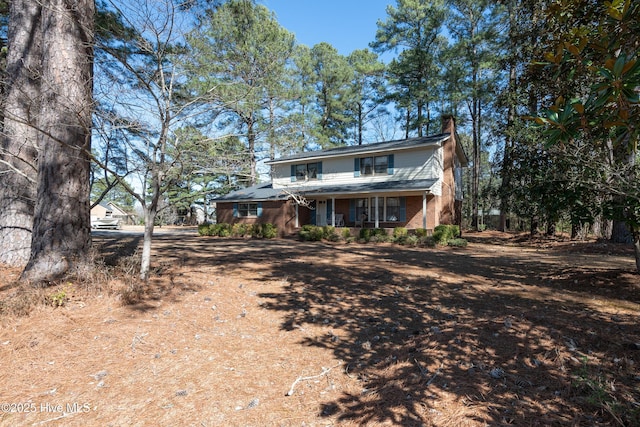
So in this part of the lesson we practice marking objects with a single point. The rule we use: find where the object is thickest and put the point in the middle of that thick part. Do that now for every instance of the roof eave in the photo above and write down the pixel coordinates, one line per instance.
(359, 150)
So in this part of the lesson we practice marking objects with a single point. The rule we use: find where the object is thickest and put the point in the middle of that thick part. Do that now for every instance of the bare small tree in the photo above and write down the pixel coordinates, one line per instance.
(144, 103)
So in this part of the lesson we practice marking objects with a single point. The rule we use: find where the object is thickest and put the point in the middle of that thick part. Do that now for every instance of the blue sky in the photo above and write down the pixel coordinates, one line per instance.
(346, 24)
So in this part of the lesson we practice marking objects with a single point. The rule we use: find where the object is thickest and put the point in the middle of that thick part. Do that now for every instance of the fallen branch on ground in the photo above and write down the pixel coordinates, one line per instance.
(325, 371)
(434, 376)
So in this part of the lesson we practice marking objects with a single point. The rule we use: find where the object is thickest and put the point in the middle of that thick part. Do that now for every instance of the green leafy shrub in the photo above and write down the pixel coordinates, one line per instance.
(380, 238)
(59, 298)
(241, 230)
(328, 232)
(334, 237)
(400, 232)
(427, 241)
(400, 235)
(204, 230)
(269, 231)
(375, 235)
(346, 233)
(256, 231)
(365, 234)
(457, 242)
(411, 240)
(380, 235)
(444, 232)
(421, 232)
(311, 233)
(379, 232)
(223, 230)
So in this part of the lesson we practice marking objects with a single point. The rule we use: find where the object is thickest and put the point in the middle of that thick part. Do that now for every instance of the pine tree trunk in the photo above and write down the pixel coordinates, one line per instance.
(61, 228)
(636, 248)
(19, 140)
(475, 186)
(620, 232)
(251, 137)
(505, 171)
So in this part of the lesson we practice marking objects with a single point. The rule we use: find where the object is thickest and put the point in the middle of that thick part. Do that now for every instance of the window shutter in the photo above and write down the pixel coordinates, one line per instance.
(352, 210)
(390, 170)
(293, 173)
(320, 170)
(259, 209)
(356, 167)
(403, 208)
(329, 210)
(235, 210)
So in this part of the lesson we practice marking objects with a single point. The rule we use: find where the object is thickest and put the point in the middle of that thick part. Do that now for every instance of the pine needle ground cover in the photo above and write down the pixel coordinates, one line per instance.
(248, 332)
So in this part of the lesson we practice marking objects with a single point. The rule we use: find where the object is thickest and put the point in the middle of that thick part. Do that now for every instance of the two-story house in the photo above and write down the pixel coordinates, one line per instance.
(412, 183)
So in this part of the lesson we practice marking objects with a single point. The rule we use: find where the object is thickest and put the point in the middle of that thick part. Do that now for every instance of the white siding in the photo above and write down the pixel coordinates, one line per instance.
(425, 163)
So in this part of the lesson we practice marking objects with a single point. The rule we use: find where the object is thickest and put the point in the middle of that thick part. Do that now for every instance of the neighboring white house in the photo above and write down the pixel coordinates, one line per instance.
(108, 215)
(413, 183)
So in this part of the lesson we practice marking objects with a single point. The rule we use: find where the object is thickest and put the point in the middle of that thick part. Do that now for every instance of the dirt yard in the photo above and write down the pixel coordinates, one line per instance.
(283, 333)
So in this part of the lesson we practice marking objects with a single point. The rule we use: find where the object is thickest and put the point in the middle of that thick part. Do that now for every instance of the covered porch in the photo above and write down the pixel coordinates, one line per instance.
(376, 208)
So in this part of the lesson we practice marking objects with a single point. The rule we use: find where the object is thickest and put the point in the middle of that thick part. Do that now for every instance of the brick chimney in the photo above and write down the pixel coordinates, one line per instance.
(448, 124)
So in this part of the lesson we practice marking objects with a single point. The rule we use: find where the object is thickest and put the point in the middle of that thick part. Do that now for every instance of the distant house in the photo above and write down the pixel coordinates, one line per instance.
(413, 183)
(106, 214)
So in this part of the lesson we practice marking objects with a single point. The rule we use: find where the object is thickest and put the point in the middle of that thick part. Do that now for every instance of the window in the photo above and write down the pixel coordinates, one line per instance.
(390, 209)
(247, 209)
(312, 171)
(393, 209)
(306, 171)
(301, 172)
(366, 165)
(378, 165)
(362, 209)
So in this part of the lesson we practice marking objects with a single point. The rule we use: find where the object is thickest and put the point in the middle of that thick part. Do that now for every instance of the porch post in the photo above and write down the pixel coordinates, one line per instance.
(297, 218)
(333, 211)
(377, 214)
(424, 210)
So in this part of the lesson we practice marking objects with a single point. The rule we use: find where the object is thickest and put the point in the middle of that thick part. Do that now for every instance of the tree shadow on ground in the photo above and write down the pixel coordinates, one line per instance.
(120, 252)
(499, 341)
(441, 336)
(114, 247)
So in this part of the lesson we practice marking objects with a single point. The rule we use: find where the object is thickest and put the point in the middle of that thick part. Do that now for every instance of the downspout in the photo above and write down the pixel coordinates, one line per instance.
(333, 211)
(424, 210)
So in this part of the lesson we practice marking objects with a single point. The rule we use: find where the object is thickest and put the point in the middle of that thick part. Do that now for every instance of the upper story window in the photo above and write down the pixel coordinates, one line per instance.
(380, 165)
(306, 171)
(366, 165)
(374, 165)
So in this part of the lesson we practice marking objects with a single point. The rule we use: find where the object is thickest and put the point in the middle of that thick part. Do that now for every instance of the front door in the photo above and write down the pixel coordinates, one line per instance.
(321, 213)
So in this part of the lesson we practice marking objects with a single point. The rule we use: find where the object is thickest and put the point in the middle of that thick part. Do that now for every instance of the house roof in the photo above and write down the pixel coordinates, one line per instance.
(266, 192)
(259, 192)
(116, 209)
(104, 206)
(376, 147)
(371, 187)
